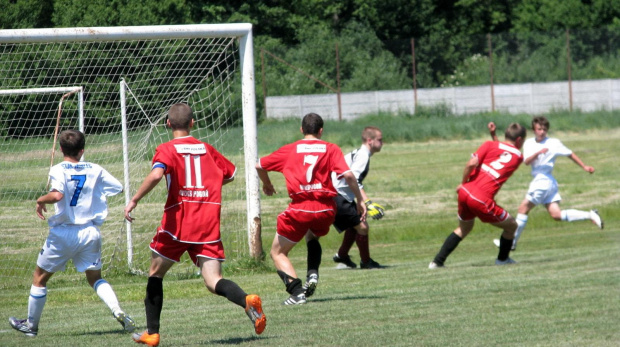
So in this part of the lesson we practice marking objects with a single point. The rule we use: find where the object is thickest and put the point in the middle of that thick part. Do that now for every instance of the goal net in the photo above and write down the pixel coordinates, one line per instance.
(127, 78)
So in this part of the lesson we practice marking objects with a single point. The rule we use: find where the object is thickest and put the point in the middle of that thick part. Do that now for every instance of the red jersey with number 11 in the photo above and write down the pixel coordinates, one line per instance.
(497, 161)
(195, 172)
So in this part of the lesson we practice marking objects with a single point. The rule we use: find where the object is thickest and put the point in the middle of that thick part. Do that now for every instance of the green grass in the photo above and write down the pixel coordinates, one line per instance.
(565, 290)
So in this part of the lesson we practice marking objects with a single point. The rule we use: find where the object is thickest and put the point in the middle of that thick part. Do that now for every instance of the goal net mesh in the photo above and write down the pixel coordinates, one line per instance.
(156, 73)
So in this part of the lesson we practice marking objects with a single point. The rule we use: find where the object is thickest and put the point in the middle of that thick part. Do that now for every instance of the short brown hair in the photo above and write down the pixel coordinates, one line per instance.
(370, 132)
(541, 120)
(72, 142)
(180, 116)
(311, 124)
(514, 131)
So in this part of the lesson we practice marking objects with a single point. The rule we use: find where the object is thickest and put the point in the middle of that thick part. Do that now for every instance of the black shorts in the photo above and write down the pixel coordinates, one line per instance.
(346, 215)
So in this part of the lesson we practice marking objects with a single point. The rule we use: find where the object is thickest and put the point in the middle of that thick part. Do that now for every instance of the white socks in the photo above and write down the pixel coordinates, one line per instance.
(521, 223)
(573, 215)
(107, 295)
(36, 302)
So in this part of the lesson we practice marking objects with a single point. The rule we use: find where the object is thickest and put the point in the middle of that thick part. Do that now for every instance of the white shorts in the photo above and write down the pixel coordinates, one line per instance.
(543, 191)
(80, 243)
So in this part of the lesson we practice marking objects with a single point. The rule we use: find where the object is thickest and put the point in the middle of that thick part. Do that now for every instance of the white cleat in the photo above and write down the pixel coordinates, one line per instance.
(508, 261)
(596, 219)
(128, 324)
(434, 265)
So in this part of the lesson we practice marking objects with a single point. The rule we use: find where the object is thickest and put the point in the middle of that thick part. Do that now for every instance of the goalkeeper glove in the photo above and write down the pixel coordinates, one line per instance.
(375, 211)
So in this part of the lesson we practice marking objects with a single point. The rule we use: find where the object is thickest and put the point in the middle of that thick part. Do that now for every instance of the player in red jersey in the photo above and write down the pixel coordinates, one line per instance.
(307, 166)
(195, 173)
(485, 173)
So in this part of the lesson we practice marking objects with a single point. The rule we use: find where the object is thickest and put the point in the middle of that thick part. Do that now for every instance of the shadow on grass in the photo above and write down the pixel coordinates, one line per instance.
(233, 340)
(353, 297)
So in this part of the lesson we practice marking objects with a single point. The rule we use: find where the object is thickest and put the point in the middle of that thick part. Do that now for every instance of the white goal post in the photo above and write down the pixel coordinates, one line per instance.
(209, 66)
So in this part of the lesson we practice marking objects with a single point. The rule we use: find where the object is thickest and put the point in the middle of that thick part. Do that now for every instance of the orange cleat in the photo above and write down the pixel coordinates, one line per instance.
(254, 310)
(146, 339)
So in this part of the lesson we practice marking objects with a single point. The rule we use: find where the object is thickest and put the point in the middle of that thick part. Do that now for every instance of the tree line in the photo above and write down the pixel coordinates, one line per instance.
(374, 37)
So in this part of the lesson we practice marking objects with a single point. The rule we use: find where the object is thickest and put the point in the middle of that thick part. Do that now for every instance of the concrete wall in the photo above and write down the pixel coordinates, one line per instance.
(532, 98)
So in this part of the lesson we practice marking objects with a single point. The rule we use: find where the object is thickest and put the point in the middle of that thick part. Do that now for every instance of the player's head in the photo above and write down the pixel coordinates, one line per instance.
(180, 116)
(373, 138)
(516, 133)
(71, 143)
(312, 124)
(540, 120)
(540, 125)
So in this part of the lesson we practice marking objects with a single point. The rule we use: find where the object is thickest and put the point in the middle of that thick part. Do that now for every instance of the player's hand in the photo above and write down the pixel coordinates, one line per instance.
(375, 211)
(491, 127)
(269, 190)
(40, 209)
(589, 169)
(130, 206)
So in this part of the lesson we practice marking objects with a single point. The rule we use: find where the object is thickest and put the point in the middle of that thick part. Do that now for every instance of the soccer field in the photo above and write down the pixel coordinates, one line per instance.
(565, 290)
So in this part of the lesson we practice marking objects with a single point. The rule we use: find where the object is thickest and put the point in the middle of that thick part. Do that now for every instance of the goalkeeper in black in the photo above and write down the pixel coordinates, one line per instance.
(347, 217)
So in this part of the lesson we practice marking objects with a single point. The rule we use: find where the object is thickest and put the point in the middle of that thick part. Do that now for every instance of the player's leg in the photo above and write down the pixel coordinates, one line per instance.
(53, 257)
(571, 215)
(211, 270)
(346, 219)
(87, 259)
(451, 242)
(315, 252)
(361, 240)
(280, 248)
(509, 227)
(521, 219)
(36, 303)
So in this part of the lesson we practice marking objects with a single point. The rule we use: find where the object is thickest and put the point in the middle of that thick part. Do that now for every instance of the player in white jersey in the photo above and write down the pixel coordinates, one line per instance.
(78, 191)
(347, 219)
(541, 152)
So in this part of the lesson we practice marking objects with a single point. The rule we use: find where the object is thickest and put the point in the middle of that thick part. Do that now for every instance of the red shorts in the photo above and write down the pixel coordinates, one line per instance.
(299, 218)
(485, 209)
(166, 246)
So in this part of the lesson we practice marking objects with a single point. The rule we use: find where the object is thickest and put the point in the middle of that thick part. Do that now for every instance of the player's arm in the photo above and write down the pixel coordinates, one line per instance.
(492, 129)
(533, 157)
(578, 161)
(349, 177)
(263, 174)
(471, 165)
(150, 182)
(50, 198)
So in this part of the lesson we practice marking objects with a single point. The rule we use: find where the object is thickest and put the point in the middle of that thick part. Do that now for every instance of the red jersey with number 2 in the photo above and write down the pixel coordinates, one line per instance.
(307, 166)
(497, 161)
(195, 172)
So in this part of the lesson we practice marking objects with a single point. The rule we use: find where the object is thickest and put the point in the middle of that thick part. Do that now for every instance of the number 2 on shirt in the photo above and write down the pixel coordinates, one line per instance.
(81, 179)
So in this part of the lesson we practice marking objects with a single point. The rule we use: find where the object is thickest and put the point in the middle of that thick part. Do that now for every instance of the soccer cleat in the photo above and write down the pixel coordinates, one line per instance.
(508, 261)
(370, 264)
(513, 248)
(311, 282)
(128, 324)
(596, 219)
(346, 261)
(146, 339)
(22, 326)
(254, 310)
(295, 299)
(434, 265)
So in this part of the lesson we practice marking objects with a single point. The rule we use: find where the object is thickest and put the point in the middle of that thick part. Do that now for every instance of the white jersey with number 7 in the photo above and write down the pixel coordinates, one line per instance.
(85, 187)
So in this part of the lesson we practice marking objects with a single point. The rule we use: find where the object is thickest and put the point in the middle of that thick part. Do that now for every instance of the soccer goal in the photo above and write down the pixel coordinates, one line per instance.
(127, 79)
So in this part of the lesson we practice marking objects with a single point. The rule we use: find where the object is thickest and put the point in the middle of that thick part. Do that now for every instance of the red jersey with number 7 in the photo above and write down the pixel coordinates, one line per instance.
(307, 166)
(497, 161)
(194, 173)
